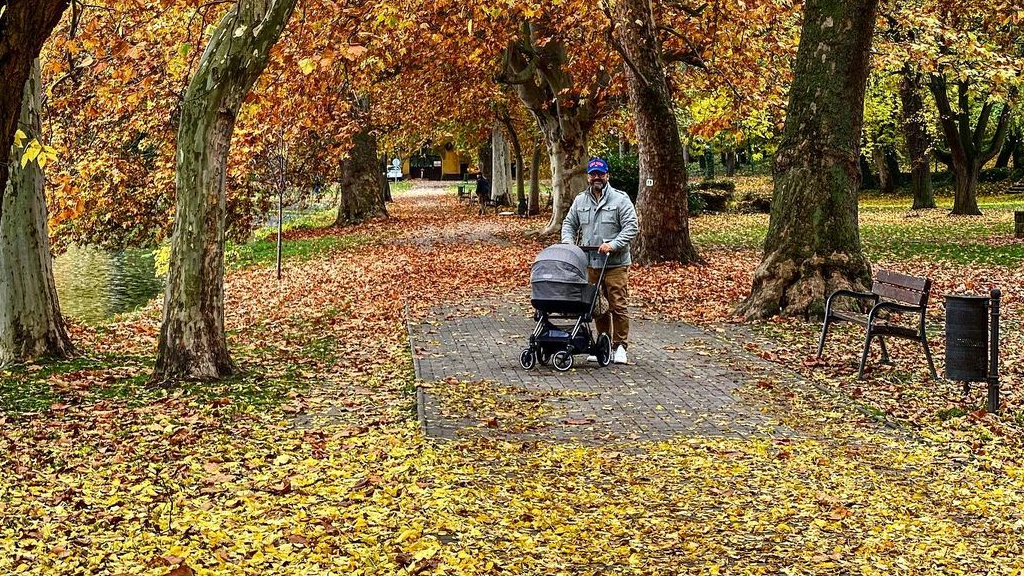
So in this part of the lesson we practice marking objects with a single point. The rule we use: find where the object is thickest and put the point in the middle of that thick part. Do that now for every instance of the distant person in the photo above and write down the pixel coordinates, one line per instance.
(483, 191)
(605, 217)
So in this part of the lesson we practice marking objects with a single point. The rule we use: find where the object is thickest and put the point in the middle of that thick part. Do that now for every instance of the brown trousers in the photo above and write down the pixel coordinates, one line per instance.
(616, 288)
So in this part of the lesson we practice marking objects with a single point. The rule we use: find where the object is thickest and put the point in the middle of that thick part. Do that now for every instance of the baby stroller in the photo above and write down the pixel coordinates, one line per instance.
(560, 290)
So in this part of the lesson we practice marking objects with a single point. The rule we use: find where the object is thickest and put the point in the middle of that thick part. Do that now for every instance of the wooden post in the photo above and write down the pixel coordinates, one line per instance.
(1018, 224)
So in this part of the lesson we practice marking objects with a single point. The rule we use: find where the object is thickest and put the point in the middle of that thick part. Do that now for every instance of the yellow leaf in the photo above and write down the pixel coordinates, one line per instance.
(19, 136)
(306, 65)
(31, 153)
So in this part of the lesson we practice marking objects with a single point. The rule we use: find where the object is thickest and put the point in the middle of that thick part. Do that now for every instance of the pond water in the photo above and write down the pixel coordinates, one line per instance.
(94, 284)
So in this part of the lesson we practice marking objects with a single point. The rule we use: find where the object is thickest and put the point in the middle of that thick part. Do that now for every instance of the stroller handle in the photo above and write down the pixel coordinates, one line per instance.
(595, 249)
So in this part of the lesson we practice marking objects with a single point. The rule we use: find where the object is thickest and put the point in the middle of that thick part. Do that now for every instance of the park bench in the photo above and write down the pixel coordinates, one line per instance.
(892, 295)
(464, 192)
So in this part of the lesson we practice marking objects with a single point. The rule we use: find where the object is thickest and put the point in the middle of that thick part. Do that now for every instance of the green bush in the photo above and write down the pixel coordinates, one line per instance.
(624, 173)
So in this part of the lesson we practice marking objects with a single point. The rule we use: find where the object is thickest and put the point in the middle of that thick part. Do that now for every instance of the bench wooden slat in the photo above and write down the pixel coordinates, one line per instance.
(894, 330)
(861, 319)
(899, 294)
(895, 278)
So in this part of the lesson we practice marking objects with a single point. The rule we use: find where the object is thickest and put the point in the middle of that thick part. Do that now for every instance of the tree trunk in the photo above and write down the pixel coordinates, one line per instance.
(31, 325)
(967, 150)
(537, 67)
(813, 243)
(730, 162)
(517, 152)
(501, 168)
(867, 177)
(662, 209)
(623, 146)
(916, 136)
(1009, 149)
(486, 157)
(360, 184)
(192, 340)
(886, 178)
(24, 26)
(385, 183)
(535, 179)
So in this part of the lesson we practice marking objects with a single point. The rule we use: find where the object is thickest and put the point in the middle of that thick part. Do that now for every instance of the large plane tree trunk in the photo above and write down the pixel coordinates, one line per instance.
(501, 167)
(664, 233)
(916, 136)
(968, 151)
(31, 325)
(360, 191)
(24, 26)
(813, 243)
(537, 67)
(192, 340)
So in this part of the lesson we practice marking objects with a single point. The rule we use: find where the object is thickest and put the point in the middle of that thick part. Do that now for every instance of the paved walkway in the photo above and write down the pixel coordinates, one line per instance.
(681, 379)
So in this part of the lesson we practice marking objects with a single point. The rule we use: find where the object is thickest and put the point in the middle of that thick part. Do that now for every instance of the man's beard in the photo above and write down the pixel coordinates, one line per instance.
(597, 186)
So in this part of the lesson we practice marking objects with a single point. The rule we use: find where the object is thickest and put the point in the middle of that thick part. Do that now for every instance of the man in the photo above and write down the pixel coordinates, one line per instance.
(605, 217)
(483, 191)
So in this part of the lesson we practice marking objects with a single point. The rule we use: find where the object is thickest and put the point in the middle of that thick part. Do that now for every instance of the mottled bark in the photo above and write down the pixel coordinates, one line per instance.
(360, 186)
(662, 209)
(25, 25)
(192, 340)
(537, 67)
(968, 151)
(916, 136)
(501, 167)
(813, 242)
(31, 325)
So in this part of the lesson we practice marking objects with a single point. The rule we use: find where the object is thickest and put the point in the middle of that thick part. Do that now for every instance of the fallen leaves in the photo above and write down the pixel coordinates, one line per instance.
(228, 482)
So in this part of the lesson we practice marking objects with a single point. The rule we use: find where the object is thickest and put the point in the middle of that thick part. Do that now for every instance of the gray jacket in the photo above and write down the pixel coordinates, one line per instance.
(593, 223)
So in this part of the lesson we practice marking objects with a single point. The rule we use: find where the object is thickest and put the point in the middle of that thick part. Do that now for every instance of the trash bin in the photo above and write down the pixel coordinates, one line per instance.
(967, 337)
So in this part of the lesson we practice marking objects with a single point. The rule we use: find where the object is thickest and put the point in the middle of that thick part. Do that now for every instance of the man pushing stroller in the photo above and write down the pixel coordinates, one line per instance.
(603, 216)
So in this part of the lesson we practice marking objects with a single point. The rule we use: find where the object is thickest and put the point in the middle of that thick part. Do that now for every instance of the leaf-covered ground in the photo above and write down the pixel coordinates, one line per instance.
(311, 461)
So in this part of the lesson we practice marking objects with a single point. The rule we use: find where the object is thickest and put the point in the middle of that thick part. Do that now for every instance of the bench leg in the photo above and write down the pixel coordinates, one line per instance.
(885, 353)
(928, 355)
(864, 356)
(824, 333)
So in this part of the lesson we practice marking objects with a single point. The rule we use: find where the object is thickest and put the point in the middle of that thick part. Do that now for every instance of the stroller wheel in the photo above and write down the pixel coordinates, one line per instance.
(603, 350)
(562, 361)
(527, 359)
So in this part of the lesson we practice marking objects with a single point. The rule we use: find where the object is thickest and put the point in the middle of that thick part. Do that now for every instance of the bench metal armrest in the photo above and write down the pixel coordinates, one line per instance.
(850, 294)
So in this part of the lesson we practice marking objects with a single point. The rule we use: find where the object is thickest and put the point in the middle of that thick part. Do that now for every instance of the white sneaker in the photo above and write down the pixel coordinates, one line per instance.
(619, 356)
(591, 358)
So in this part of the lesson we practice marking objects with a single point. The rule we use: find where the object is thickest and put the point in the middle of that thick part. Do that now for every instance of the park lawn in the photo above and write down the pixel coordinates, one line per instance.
(311, 460)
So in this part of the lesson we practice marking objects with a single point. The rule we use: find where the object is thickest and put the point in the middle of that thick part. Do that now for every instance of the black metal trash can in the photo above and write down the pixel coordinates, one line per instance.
(967, 338)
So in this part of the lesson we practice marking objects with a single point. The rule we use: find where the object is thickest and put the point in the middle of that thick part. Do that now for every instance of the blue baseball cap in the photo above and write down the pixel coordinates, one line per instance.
(597, 165)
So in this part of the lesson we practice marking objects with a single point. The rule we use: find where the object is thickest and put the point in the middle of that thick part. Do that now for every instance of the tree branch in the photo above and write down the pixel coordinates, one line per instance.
(997, 141)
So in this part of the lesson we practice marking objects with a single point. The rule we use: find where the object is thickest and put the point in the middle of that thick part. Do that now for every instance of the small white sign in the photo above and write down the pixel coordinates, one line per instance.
(650, 182)
(396, 162)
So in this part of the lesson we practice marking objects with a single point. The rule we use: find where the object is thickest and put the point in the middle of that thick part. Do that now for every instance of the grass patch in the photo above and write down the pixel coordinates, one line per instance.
(890, 231)
(311, 221)
(264, 252)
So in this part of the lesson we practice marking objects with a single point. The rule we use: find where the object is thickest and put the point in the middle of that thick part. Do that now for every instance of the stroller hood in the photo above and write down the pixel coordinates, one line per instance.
(560, 263)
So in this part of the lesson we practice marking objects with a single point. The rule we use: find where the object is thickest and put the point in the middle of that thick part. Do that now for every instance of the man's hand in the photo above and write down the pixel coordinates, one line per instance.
(605, 248)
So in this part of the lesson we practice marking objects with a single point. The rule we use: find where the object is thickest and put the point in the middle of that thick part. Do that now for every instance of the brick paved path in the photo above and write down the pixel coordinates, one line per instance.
(681, 380)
